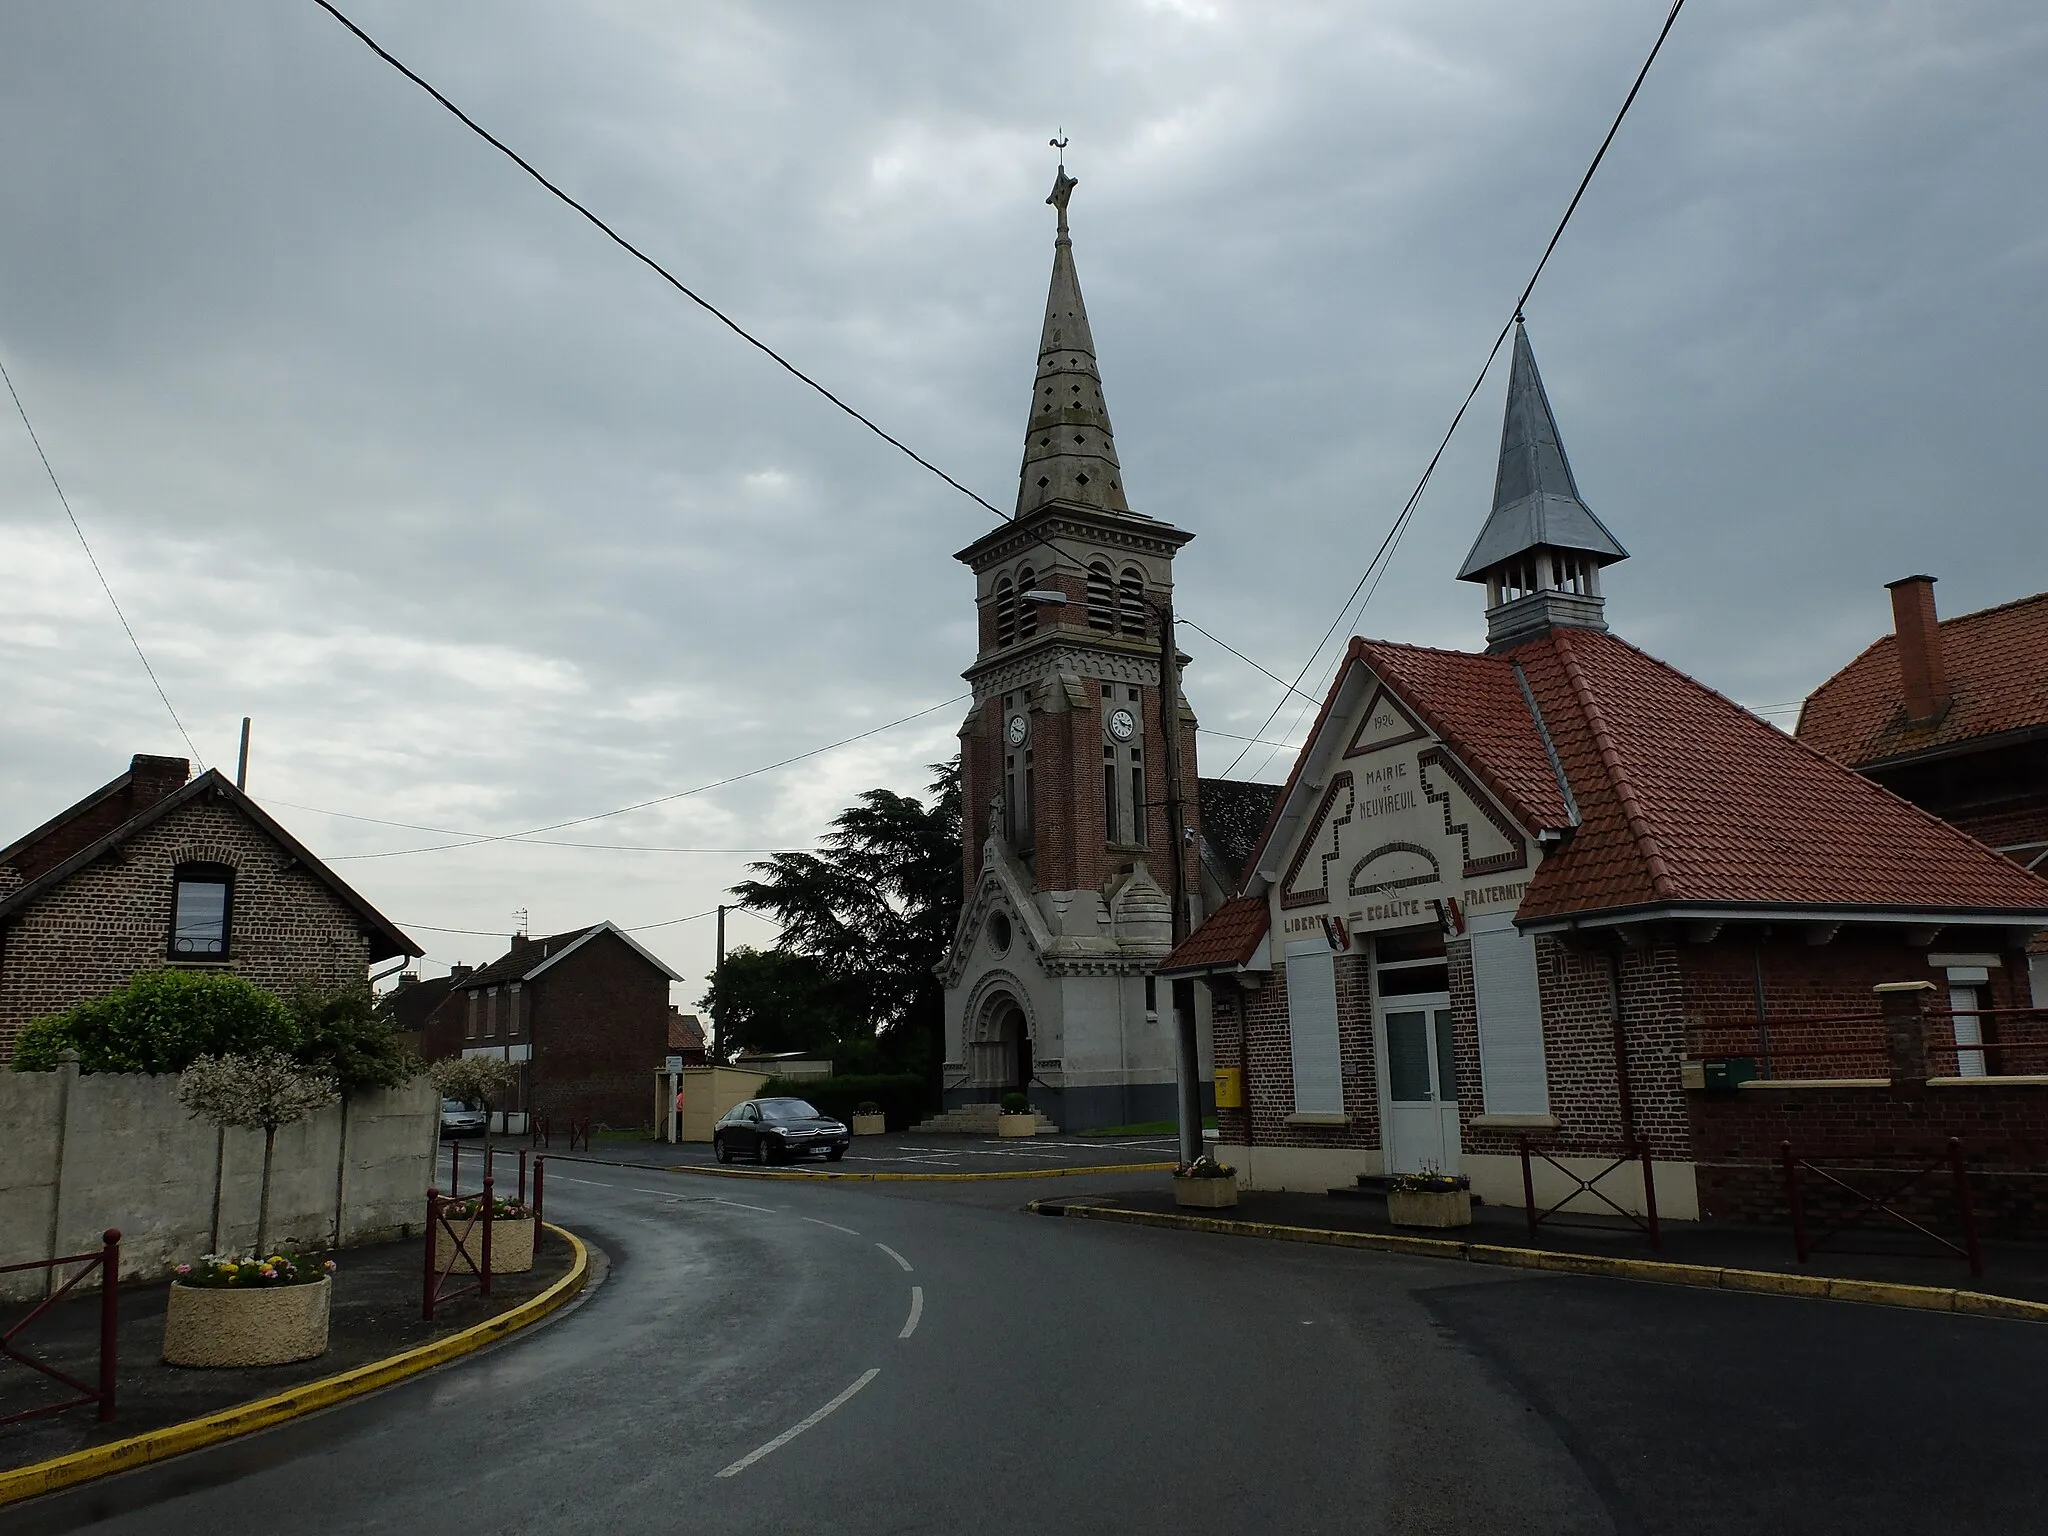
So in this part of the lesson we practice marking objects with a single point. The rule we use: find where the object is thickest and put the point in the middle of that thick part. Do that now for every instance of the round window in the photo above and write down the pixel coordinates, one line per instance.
(999, 933)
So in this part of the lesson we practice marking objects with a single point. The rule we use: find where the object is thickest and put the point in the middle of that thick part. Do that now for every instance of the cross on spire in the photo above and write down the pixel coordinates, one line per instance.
(1062, 185)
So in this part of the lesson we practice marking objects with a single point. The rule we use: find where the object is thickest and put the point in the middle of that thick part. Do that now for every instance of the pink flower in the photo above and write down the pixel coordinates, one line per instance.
(184, 1269)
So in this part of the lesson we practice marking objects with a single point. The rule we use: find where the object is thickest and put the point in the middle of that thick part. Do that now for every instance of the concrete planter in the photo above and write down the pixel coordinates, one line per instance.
(246, 1325)
(1429, 1208)
(511, 1245)
(870, 1125)
(1205, 1194)
(1025, 1124)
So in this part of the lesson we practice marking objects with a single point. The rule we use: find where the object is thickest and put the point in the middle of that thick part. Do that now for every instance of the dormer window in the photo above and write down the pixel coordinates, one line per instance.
(202, 904)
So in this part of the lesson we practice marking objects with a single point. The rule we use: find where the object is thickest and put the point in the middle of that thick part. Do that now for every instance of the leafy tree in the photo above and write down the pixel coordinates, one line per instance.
(778, 1000)
(480, 1080)
(162, 1021)
(264, 1091)
(875, 909)
(345, 1036)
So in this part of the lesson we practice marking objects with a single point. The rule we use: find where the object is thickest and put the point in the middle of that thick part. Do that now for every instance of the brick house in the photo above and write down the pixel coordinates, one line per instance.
(584, 1015)
(1520, 893)
(1951, 714)
(159, 869)
(686, 1038)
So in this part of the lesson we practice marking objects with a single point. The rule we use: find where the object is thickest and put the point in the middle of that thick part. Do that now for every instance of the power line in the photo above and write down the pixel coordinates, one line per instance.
(646, 260)
(668, 922)
(1384, 554)
(471, 840)
(1059, 556)
(93, 560)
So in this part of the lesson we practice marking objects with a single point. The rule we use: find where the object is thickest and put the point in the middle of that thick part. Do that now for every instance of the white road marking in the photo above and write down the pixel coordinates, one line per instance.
(768, 1210)
(832, 1224)
(895, 1255)
(794, 1430)
(916, 1311)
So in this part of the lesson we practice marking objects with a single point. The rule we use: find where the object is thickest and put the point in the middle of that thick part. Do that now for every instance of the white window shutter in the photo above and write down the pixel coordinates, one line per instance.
(1312, 1022)
(1511, 1069)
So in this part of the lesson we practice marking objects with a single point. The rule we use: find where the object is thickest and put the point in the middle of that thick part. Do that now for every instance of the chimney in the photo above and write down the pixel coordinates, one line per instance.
(1923, 680)
(151, 778)
(458, 970)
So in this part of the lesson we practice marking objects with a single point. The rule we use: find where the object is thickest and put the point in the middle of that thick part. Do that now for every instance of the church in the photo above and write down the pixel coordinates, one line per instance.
(1527, 896)
(1069, 756)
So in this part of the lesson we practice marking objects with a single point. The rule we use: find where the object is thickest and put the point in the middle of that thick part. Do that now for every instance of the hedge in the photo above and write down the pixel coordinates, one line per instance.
(162, 1021)
(904, 1096)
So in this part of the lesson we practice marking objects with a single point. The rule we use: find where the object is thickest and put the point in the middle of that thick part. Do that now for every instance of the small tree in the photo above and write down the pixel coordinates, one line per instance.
(475, 1080)
(266, 1090)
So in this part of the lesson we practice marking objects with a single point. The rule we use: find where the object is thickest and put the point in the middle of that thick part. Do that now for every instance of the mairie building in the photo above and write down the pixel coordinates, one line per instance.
(1517, 896)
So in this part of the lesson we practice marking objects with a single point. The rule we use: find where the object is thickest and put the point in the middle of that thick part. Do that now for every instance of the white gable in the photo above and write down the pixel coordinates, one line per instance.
(1386, 828)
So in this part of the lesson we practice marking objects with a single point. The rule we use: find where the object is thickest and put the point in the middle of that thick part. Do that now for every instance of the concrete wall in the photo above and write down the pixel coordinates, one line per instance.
(84, 1153)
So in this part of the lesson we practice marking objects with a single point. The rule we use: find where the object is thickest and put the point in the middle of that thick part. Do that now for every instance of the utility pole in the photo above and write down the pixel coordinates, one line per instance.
(1183, 990)
(242, 762)
(721, 938)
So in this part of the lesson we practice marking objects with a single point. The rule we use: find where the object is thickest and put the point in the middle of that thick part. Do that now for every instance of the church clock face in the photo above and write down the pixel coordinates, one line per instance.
(1017, 730)
(1123, 725)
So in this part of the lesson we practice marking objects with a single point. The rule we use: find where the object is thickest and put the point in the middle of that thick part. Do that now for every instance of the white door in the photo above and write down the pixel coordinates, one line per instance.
(1421, 1098)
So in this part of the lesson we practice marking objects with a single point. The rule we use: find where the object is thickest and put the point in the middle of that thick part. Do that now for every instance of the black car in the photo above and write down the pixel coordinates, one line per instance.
(775, 1130)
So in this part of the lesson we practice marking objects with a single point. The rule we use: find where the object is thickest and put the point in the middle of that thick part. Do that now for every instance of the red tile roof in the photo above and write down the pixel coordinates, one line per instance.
(1687, 797)
(1226, 937)
(1997, 666)
(1684, 797)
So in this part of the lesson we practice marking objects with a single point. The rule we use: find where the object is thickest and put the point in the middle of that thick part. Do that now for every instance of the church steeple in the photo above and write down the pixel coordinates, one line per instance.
(1069, 451)
(1542, 548)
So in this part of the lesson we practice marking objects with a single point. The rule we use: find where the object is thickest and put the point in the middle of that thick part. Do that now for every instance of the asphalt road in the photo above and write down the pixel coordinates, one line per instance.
(953, 1365)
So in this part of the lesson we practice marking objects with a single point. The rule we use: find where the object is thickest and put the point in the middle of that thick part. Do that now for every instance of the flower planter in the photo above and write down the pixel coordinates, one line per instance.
(246, 1325)
(1025, 1124)
(1205, 1194)
(511, 1245)
(870, 1125)
(1429, 1208)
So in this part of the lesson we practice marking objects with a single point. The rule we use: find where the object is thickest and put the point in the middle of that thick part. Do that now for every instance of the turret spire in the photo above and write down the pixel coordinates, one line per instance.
(1069, 451)
(1542, 548)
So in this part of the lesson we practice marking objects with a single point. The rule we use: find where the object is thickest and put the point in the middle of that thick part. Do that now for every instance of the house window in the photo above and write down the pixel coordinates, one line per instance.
(1312, 1028)
(202, 902)
(469, 1025)
(490, 1011)
(512, 996)
(1511, 1069)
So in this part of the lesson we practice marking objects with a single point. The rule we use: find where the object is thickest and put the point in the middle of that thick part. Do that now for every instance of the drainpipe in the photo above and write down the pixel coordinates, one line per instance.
(1626, 1094)
(1763, 1023)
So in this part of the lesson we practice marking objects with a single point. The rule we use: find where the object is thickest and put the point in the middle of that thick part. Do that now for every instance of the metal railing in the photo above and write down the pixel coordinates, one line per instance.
(439, 1283)
(108, 1263)
(1764, 1042)
(1637, 1156)
(1903, 1178)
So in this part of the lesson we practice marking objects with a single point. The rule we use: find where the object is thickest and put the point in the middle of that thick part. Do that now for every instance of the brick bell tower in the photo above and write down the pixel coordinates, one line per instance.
(1049, 986)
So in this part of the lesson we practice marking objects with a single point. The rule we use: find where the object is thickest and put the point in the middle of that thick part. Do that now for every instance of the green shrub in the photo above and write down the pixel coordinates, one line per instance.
(1016, 1104)
(162, 1021)
(343, 1035)
(903, 1097)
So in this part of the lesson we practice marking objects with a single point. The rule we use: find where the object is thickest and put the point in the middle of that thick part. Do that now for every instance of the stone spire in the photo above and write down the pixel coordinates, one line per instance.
(1069, 452)
(1536, 501)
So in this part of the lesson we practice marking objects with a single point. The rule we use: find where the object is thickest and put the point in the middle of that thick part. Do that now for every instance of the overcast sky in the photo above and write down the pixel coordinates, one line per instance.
(488, 529)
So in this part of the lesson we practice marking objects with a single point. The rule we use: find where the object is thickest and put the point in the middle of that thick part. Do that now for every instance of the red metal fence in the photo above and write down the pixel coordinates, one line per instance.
(1896, 1177)
(1635, 1158)
(108, 1263)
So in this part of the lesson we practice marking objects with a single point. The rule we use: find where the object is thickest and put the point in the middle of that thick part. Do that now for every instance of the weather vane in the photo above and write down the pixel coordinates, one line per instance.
(1062, 184)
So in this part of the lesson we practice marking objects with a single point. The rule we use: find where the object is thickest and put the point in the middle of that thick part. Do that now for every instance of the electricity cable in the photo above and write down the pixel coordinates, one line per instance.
(93, 561)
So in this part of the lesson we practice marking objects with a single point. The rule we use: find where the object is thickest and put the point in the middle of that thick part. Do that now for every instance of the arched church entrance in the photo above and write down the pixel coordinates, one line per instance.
(1002, 1057)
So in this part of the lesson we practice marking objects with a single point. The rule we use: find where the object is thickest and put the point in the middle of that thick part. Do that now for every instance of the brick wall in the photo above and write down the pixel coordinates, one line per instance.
(1869, 1136)
(1269, 1085)
(94, 932)
(1818, 1000)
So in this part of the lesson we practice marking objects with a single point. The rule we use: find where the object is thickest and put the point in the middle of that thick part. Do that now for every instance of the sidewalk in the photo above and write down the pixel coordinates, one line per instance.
(896, 1153)
(2010, 1269)
(375, 1313)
